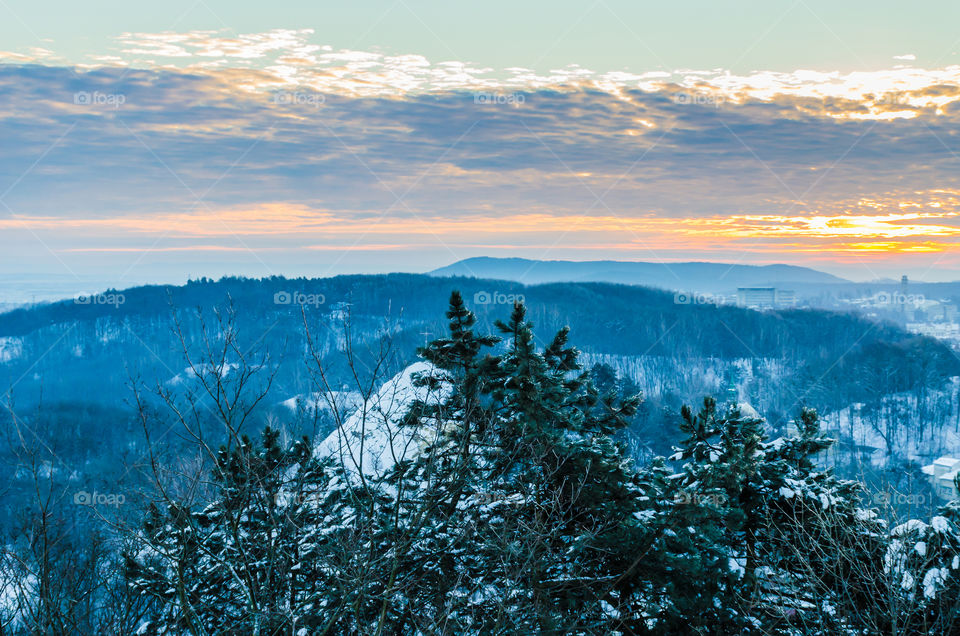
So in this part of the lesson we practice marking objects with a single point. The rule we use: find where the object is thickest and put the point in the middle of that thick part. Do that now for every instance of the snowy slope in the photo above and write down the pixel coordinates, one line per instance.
(910, 428)
(371, 440)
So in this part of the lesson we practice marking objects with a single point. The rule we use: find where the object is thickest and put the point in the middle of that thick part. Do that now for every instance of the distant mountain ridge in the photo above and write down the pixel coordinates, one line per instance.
(689, 276)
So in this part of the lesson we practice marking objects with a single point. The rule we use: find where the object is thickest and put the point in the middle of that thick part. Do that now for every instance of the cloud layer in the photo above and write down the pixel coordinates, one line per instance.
(270, 146)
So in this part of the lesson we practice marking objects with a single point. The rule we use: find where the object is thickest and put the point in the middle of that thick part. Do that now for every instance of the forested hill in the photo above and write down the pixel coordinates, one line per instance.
(91, 349)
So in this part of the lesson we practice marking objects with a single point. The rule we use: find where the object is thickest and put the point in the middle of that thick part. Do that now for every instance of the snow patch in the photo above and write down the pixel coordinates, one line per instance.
(932, 580)
(10, 349)
(940, 524)
(203, 369)
(371, 441)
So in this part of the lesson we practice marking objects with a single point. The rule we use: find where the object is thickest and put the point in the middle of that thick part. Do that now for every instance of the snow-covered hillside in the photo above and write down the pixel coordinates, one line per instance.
(902, 426)
(371, 440)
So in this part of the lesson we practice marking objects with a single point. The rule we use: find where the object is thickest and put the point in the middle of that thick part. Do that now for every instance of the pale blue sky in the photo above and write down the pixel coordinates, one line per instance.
(603, 35)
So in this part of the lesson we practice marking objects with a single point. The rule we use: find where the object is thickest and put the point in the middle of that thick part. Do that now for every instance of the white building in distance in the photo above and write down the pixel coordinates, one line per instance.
(942, 475)
(765, 297)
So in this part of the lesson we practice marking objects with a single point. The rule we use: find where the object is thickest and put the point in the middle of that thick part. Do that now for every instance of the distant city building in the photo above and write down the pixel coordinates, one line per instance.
(942, 475)
(765, 297)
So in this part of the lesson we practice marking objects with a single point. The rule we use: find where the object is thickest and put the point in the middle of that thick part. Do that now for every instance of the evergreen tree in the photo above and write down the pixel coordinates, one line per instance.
(253, 560)
(530, 502)
(761, 502)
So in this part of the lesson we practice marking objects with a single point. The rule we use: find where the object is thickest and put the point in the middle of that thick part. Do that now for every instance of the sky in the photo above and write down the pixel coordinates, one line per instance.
(184, 139)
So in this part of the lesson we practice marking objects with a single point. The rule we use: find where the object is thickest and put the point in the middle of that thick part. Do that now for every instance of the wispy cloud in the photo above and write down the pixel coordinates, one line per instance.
(198, 141)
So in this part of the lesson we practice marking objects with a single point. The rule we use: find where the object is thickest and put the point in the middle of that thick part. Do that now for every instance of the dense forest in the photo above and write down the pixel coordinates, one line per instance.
(71, 370)
(829, 358)
(485, 489)
(82, 356)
